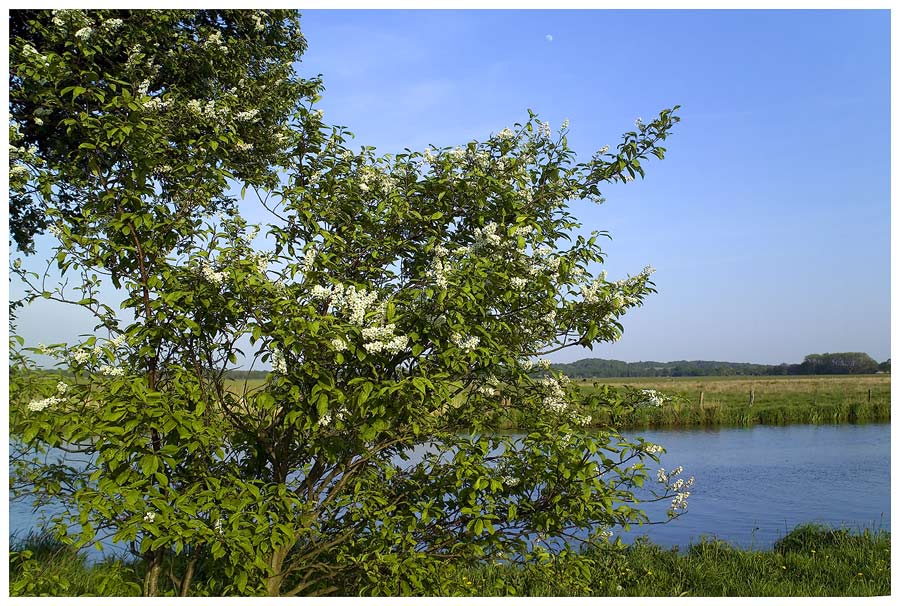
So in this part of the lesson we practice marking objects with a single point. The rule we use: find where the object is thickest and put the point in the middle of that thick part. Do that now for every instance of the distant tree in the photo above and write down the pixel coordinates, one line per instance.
(838, 364)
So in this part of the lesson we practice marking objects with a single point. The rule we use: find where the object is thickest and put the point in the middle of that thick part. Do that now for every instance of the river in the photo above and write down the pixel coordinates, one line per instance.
(751, 485)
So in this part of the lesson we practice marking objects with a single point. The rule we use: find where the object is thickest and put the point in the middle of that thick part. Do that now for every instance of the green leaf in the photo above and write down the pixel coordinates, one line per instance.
(149, 464)
(364, 392)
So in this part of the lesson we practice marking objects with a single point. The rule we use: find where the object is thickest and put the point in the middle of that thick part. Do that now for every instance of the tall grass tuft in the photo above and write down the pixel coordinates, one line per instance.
(40, 565)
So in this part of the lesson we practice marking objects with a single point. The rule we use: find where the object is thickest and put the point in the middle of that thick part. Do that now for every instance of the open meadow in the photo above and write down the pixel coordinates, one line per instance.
(726, 401)
(744, 401)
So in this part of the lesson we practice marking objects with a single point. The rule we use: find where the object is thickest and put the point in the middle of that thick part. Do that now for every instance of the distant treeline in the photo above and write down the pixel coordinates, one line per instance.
(246, 375)
(852, 363)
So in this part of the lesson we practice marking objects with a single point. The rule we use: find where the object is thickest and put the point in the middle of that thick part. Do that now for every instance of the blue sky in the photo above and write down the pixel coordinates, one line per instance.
(769, 220)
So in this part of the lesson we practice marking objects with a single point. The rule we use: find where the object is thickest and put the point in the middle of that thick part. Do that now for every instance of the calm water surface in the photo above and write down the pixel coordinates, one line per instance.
(751, 485)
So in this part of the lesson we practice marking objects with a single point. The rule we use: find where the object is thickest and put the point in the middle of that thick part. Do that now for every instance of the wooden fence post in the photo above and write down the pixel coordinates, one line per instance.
(701, 399)
(752, 397)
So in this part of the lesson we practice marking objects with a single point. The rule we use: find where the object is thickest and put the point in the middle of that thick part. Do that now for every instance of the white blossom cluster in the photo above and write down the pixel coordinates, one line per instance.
(84, 33)
(490, 387)
(218, 526)
(134, 57)
(39, 405)
(487, 236)
(544, 129)
(486, 390)
(84, 356)
(543, 364)
(63, 16)
(20, 169)
(582, 420)
(465, 343)
(510, 480)
(356, 303)
(590, 293)
(112, 371)
(554, 398)
(326, 419)
(505, 134)
(518, 283)
(679, 486)
(654, 398)
(74, 19)
(156, 104)
(258, 20)
(29, 52)
(81, 356)
(62, 388)
(150, 517)
(382, 338)
(209, 110)
(279, 363)
(309, 259)
(215, 277)
(439, 267)
(680, 500)
(215, 39)
(246, 116)
(542, 261)
(353, 301)
(653, 449)
(262, 262)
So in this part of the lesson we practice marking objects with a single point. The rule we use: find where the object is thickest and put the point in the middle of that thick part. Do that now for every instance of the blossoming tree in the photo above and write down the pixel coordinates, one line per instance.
(402, 305)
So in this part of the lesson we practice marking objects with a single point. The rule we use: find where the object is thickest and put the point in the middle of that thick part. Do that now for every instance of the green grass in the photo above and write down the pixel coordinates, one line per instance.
(776, 400)
(810, 561)
(40, 565)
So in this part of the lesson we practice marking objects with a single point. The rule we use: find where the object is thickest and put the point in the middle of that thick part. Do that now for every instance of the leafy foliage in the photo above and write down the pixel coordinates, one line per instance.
(146, 102)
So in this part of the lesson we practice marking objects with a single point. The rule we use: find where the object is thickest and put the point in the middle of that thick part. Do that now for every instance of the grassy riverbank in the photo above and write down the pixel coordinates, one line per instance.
(726, 401)
(810, 561)
(712, 401)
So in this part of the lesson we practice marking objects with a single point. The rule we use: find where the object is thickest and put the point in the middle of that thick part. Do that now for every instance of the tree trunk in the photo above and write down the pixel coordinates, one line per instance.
(151, 577)
(273, 583)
